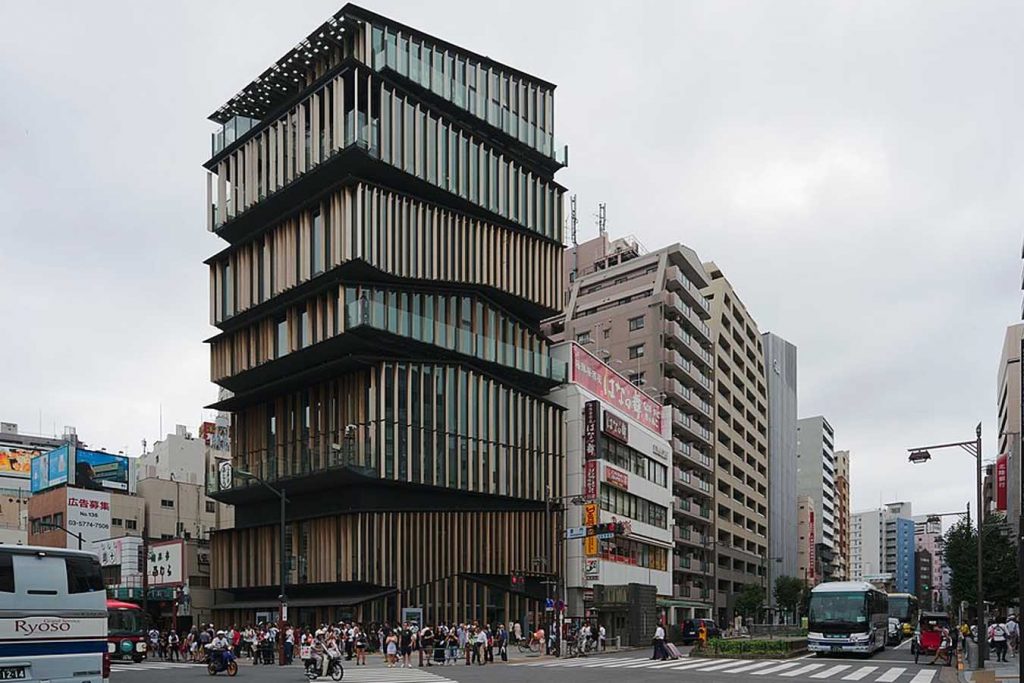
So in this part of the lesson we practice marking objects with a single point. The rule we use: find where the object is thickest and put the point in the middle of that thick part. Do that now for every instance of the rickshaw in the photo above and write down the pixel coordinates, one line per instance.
(928, 638)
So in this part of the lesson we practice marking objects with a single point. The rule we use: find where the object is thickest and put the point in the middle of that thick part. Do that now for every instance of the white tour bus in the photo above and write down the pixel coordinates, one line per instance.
(53, 616)
(847, 616)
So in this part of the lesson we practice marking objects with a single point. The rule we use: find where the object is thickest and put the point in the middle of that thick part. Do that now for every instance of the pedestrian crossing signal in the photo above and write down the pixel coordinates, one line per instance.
(518, 581)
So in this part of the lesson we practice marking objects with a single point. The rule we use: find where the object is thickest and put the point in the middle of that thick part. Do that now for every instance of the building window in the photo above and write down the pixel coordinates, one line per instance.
(166, 537)
(165, 503)
(281, 338)
(211, 506)
(636, 351)
(606, 332)
(636, 323)
(637, 378)
(130, 524)
(583, 337)
(116, 521)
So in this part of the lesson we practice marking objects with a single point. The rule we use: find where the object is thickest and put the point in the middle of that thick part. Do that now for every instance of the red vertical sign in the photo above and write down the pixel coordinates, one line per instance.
(590, 480)
(1001, 482)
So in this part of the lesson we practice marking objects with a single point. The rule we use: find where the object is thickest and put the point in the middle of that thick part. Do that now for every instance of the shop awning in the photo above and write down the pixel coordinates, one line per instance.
(325, 601)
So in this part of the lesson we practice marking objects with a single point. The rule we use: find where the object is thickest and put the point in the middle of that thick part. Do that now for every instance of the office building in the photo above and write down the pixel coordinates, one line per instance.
(619, 462)
(645, 314)
(741, 447)
(173, 476)
(807, 563)
(393, 239)
(1008, 401)
(842, 527)
(882, 547)
(780, 379)
(816, 479)
(928, 538)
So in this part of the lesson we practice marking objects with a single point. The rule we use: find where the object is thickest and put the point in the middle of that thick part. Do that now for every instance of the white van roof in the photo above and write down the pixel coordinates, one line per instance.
(844, 586)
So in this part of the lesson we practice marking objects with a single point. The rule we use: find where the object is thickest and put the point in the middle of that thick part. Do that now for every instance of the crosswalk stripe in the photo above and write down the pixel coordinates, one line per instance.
(715, 667)
(862, 672)
(700, 663)
(615, 661)
(774, 669)
(923, 676)
(831, 671)
(802, 670)
(750, 667)
(891, 675)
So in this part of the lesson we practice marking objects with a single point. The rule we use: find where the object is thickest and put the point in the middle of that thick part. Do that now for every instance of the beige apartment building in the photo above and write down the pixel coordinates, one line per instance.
(645, 314)
(842, 531)
(806, 561)
(741, 446)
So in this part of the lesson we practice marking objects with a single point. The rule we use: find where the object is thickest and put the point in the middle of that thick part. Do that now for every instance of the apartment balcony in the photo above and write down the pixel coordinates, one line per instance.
(692, 454)
(690, 509)
(690, 482)
(693, 377)
(687, 535)
(690, 428)
(699, 327)
(675, 281)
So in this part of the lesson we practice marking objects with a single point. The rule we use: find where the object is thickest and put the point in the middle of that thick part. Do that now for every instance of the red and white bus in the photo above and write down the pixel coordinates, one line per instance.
(126, 631)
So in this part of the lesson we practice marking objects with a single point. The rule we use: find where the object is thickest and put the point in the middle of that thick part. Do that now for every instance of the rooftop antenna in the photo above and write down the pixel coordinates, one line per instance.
(602, 219)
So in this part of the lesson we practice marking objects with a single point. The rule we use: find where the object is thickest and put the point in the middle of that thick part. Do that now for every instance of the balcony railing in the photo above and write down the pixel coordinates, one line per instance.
(392, 319)
(427, 75)
(301, 458)
(674, 279)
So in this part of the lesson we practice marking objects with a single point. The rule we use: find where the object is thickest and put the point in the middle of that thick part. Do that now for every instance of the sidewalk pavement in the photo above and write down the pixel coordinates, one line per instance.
(994, 671)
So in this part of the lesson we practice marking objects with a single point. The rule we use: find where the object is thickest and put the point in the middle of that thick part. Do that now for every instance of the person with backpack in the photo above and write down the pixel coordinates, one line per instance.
(997, 636)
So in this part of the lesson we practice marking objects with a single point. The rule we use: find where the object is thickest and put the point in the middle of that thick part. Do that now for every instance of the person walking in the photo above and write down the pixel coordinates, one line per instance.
(480, 645)
(174, 646)
(602, 637)
(1013, 634)
(660, 653)
(517, 632)
(997, 635)
(702, 637)
(391, 650)
(502, 641)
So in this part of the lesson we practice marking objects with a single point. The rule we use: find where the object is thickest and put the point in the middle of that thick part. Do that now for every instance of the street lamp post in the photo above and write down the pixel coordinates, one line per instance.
(555, 504)
(766, 583)
(920, 455)
(69, 533)
(282, 598)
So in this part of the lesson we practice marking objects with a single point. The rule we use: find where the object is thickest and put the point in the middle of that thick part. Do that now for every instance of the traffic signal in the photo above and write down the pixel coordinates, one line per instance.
(617, 528)
(518, 581)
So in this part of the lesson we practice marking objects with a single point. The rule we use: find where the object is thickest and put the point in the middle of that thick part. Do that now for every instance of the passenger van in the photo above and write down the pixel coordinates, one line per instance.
(53, 616)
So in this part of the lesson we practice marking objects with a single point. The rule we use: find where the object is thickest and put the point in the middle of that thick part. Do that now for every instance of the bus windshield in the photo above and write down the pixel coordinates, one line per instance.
(838, 608)
(125, 622)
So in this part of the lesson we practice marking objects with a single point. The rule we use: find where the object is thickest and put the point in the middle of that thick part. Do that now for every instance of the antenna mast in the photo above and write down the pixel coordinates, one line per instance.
(602, 219)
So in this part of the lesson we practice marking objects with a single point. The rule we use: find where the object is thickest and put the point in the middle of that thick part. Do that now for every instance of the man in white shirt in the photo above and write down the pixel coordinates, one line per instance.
(659, 644)
(601, 636)
(1013, 631)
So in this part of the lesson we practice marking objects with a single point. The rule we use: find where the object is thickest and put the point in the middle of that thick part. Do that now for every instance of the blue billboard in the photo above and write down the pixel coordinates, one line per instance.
(98, 470)
(50, 469)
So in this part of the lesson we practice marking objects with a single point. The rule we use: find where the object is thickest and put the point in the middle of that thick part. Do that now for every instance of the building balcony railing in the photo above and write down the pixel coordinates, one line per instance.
(697, 324)
(684, 422)
(676, 281)
(447, 86)
(374, 314)
(230, 131)
(298, 459)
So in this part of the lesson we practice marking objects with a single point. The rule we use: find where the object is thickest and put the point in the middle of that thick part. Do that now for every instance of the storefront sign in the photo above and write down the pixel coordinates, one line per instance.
(616, 478)
(166, 563)
(590, 480)
(661, 453)
(616, 427)
(1001, 482)
(600, 380)
(590, 409)
(590, 545)
(590, 514)
(591, 569)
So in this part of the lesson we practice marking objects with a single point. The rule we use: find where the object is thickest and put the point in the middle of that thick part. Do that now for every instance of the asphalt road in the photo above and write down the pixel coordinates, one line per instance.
(890, 666)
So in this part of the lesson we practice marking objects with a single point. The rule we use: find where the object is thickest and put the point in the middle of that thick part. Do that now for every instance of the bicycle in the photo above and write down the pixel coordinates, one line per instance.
(531, 645)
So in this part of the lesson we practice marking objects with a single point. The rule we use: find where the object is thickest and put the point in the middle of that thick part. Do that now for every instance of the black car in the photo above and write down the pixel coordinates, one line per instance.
(691, 626)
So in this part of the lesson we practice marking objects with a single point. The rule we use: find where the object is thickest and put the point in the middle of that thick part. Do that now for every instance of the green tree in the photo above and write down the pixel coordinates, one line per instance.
(999, 562)
(788, 592)
(750, 599)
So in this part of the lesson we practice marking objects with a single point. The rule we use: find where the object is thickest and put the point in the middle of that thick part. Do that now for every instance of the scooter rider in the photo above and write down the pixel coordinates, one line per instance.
(317, 650)
(218, 646)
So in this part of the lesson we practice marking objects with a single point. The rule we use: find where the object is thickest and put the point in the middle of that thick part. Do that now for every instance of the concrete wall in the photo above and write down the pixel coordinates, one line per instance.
(187, 515)
(781, 377)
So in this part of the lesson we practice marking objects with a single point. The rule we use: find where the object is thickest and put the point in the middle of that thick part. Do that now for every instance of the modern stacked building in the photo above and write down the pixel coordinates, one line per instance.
(741, 447)
(646, 314)
(393, 239)
(1008, 402)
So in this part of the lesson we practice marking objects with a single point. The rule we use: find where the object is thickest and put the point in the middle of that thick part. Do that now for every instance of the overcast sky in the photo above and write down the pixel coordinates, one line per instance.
(855, 169)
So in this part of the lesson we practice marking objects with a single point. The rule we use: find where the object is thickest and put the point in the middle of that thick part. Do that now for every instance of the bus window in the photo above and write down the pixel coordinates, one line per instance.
(83, 575)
